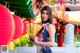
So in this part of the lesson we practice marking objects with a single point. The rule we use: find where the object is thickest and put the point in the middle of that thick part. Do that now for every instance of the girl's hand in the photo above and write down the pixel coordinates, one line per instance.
(31, 42)
(36, 40)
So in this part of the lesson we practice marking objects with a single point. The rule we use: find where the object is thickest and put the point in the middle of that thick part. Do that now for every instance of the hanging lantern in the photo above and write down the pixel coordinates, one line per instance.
(25, 28)
(18, 27)
(6, 25)
(76, 31)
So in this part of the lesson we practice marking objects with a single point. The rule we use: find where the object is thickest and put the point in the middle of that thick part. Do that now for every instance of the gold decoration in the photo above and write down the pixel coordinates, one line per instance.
(33, 29)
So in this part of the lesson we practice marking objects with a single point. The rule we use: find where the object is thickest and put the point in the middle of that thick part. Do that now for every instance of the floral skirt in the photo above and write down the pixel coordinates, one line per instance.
(43, 49)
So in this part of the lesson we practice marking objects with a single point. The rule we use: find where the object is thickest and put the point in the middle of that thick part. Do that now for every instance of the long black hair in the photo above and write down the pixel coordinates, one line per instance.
(49, 10)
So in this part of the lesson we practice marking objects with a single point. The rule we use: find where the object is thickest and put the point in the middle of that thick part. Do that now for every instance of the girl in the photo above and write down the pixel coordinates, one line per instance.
(47, 33)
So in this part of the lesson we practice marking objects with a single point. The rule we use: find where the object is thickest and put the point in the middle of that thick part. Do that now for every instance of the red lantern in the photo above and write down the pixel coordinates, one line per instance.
(76, 30)
(25, 28)
(18, 27)
(6, 25)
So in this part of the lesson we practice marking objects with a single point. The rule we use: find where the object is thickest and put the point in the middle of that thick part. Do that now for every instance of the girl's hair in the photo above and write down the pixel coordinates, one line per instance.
(49, 10)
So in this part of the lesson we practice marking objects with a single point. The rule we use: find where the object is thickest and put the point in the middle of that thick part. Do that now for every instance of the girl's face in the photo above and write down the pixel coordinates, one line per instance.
(44, 15)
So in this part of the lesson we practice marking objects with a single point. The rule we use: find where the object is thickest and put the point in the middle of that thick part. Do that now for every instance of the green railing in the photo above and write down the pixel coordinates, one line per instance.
(22, 8)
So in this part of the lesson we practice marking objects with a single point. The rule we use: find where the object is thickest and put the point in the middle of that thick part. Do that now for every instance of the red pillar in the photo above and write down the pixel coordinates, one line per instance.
(61, 1)
(60, 37)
